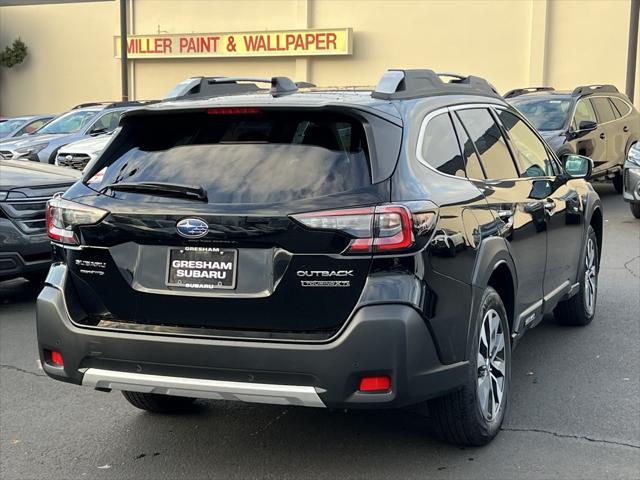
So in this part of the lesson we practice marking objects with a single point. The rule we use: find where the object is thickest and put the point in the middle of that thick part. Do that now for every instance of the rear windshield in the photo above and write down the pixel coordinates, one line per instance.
(545, 115)
(261, 157)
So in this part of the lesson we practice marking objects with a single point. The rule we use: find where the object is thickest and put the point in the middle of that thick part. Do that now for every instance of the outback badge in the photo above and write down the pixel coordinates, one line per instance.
(192, 227)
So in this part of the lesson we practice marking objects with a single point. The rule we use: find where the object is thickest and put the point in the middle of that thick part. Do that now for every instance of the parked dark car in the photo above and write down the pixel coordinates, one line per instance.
(25, 187)
(19, 126)
(343, 249)
(593, 120)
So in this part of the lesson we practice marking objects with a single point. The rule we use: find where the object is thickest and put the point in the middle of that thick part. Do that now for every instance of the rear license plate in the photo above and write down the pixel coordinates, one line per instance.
(202, 268)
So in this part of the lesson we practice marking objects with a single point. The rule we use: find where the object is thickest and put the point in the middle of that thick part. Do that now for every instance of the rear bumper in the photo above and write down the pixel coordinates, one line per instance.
(390, 340)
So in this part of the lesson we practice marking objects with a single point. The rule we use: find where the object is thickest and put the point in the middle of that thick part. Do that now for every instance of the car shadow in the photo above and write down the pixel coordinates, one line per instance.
(18, 290)
(276, 439)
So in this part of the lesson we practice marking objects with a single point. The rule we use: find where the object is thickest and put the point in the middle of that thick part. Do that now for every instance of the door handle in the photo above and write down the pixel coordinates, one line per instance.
(532, 207)
(505, 214)
(625, 129)
(602, 135)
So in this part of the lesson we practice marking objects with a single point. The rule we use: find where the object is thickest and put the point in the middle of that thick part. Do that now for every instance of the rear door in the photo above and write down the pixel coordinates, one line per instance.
(561, 204)
(515, 205)
(607, 130)
(236, 261)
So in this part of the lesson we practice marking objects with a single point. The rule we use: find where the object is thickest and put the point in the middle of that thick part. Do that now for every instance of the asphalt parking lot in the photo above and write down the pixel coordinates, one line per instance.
(574, 411)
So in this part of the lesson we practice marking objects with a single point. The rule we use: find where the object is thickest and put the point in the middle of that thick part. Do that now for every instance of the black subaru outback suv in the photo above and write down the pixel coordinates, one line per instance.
(345, 249)
(592, 120)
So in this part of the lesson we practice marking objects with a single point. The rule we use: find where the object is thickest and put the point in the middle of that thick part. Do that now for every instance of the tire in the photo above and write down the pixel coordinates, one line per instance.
(156, 403)
(618, 183)
(465, 417)
(581, 308)
(635, 209)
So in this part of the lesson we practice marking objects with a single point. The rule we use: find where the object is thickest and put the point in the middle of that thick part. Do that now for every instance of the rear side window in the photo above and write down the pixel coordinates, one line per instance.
(472, 162)
(490, 144)
(531, 155)
(603, 108)
(259, 157)
(440, 146)
(33, 126)
(623, 107)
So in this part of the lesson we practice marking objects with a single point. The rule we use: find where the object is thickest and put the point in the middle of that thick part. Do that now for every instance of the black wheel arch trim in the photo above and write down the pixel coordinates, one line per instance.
(492, 253)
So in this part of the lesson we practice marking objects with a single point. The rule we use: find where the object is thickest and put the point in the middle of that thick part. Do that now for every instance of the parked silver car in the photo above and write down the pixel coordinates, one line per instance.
(77, 124)
(19, 126)
(631, 175)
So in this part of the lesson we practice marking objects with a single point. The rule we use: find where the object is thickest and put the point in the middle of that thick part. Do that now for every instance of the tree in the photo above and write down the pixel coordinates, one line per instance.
(14, 54)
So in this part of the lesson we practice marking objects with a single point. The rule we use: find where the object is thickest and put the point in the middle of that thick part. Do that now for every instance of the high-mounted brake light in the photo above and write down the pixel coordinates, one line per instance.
(63, 215)
(233, 111)
(384, 228)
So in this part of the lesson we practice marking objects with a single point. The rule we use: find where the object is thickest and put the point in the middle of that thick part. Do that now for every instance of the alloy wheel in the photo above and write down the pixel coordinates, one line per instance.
(491, 365)
(590, 277)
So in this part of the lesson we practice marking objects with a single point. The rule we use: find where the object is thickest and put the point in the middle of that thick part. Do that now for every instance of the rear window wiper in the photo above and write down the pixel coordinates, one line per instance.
(191, 192)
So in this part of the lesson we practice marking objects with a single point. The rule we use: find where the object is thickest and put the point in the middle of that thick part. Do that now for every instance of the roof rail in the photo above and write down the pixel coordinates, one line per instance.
(90, 104)
(407, 84)
(279, 85)
(197, 88)
(585, 89)
(129, 103)
(516, 92)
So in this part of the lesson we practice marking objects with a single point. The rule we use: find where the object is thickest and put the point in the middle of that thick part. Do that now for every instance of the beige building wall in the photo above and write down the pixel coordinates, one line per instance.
(512, 43)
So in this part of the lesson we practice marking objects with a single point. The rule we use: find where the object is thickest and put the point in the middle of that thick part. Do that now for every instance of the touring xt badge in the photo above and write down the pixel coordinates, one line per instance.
(314, 275)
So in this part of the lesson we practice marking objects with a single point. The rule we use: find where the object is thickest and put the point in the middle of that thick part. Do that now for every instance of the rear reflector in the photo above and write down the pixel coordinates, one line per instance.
(56, 359)
(233, 111)
(375, 384)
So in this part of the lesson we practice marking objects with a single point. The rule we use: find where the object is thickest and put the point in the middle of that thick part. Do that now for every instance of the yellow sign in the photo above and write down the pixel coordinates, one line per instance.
(331, 41)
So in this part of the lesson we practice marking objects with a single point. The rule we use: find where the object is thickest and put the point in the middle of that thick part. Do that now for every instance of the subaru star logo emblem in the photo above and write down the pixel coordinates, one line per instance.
(192, 227)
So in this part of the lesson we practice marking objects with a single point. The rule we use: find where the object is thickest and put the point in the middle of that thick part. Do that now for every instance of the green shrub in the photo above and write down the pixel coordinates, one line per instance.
(14, 54)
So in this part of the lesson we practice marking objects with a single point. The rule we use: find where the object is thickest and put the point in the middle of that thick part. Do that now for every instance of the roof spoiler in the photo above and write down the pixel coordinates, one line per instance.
(584, 89)
(406, 84)
(516, 92)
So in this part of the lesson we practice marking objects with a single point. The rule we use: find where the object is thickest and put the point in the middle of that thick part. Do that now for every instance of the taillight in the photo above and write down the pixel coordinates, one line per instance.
(63, 215)
(384, 228)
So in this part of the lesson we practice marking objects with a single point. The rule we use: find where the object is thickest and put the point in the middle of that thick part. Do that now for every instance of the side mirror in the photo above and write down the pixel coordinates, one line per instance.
(98, 131)
(577, 166)
(587, 126)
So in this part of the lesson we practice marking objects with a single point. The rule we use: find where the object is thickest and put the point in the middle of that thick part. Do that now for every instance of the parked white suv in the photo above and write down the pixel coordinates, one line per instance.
(78, 154)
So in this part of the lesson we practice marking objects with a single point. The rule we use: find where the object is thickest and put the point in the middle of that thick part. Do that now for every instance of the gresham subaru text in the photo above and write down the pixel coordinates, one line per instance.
(433, 223)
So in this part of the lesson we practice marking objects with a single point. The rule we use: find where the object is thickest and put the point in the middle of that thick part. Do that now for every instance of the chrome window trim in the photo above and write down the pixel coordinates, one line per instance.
(470, 106)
